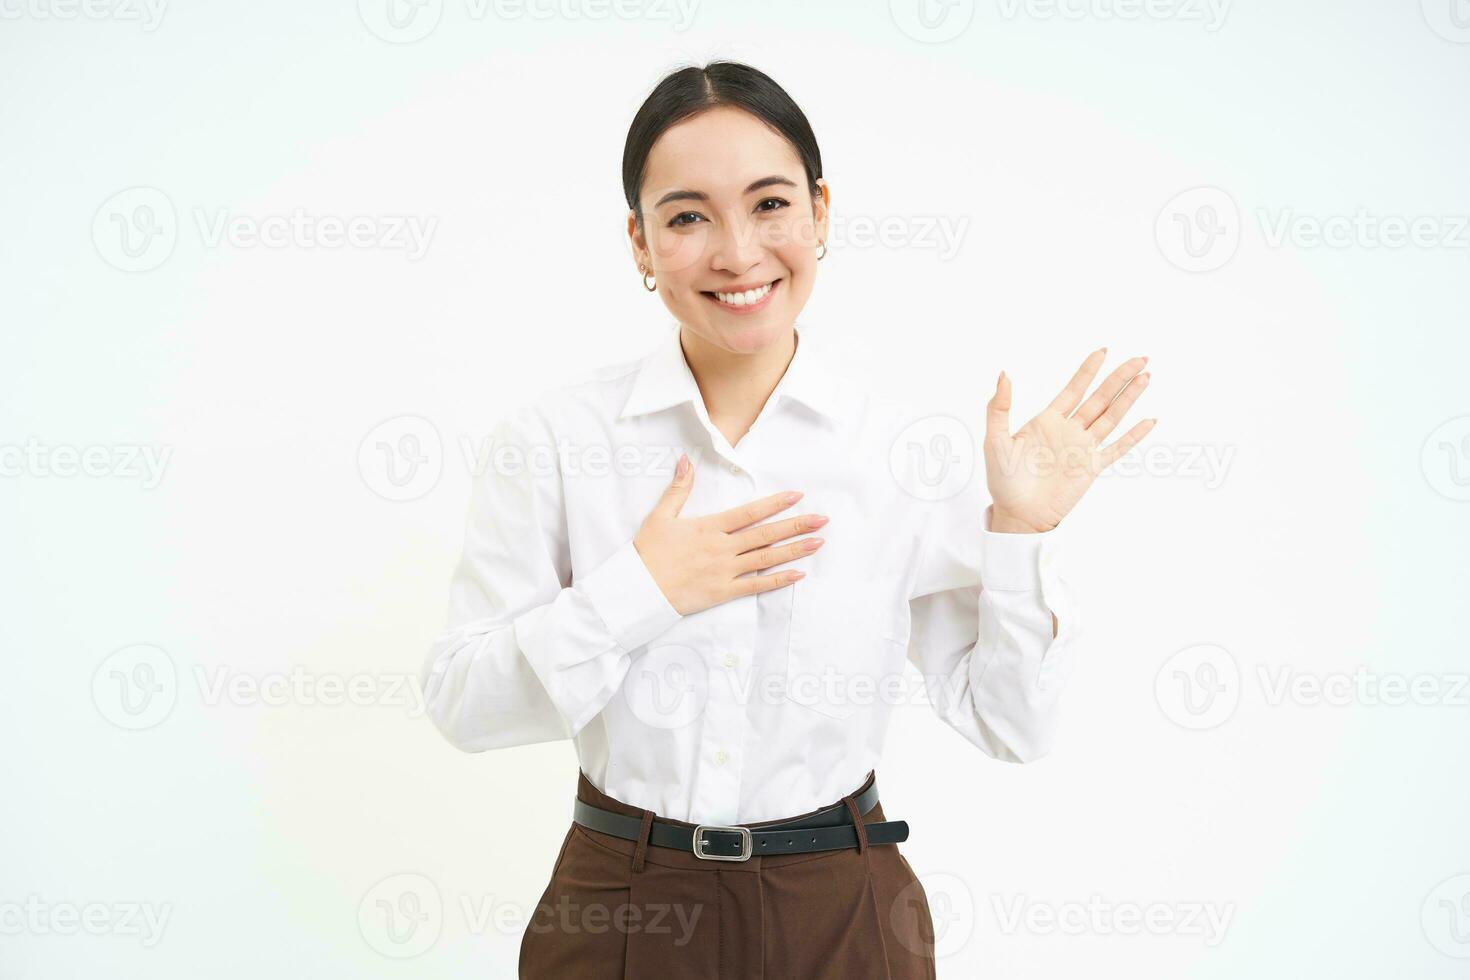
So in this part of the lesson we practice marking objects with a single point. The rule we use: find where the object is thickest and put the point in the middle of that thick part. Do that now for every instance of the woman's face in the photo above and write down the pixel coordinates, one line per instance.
(730, 230)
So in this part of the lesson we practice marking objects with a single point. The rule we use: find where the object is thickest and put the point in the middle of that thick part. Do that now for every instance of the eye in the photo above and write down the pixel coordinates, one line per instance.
(678, 222)
(779, 202)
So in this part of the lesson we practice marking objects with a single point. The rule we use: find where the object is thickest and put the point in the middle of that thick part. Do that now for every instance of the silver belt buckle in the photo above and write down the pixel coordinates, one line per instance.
(699, 843)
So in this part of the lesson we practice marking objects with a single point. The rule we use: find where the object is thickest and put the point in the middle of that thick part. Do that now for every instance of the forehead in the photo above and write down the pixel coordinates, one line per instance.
(719, 151)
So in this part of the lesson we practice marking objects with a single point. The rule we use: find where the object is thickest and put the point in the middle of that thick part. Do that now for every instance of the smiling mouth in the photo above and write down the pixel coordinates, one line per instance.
(745, 300)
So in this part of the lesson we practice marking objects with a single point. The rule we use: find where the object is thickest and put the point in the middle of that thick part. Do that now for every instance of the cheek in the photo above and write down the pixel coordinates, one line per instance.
(676, 253)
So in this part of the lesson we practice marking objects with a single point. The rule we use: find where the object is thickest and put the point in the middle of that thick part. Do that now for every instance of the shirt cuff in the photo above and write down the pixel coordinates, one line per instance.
(1015, 562)
(628, 600)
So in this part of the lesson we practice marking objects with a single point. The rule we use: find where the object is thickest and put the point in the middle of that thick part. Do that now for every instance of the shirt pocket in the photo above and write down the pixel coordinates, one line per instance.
(848, 644)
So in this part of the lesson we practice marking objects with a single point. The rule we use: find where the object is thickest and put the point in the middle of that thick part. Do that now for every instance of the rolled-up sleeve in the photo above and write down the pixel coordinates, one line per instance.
(529, 654)
(981, 609)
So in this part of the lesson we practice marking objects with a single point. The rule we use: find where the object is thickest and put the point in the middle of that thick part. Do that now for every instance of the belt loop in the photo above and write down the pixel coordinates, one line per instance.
(857, 820)
(642, 847)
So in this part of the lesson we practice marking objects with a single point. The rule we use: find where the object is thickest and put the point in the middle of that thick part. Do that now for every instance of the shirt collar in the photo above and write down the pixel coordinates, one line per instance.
(664, 380)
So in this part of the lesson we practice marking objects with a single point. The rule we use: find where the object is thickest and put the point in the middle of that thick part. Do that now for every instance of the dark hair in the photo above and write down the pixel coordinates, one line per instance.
(693, 90)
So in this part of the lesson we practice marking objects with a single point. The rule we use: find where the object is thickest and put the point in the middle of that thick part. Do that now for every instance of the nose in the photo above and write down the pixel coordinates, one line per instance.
(737, 249)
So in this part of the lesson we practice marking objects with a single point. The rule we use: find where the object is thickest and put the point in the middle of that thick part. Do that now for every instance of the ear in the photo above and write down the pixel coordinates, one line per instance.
(821, 208)
(635, 239)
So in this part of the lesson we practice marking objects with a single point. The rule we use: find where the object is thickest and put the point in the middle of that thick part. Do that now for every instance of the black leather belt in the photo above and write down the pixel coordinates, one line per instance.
(828, 829)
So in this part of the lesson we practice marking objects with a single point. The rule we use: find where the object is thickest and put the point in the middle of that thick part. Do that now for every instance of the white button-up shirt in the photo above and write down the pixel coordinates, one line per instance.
(771, 704)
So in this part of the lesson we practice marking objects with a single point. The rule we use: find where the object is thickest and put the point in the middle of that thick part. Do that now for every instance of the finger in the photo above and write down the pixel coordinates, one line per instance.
(1077, 387)
(1108, 390)
(767, 534)
(998, 410)
(755, 510)
(1125, 442)
(751, 584)
(753, 561)
(1108, 421)
(678, 489)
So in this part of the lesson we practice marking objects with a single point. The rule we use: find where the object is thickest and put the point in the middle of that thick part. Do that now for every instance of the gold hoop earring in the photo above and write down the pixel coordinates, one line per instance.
(654, 287)
(824, 252)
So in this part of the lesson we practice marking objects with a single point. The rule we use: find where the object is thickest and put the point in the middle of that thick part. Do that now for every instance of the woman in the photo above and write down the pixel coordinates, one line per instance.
(727, 676)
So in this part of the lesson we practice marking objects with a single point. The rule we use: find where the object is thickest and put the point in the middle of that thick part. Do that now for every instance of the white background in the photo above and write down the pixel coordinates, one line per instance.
(1326, 540)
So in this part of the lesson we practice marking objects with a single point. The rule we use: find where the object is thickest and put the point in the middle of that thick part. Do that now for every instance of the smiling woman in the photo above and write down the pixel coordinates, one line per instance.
(729, 711)
(727, 205)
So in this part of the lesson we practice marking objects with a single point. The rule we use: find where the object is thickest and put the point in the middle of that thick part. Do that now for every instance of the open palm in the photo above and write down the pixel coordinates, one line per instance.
(1037, 475)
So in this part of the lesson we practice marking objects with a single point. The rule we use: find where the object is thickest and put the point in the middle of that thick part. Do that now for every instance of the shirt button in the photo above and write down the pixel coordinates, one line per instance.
(722, 757)
(733, 468)
(731, 660)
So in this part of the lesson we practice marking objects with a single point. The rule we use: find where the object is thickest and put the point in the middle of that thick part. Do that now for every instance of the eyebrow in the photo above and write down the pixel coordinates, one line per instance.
(773, 180)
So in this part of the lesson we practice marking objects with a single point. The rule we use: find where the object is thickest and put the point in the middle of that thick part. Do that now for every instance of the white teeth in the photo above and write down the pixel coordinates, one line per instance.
(746, 298)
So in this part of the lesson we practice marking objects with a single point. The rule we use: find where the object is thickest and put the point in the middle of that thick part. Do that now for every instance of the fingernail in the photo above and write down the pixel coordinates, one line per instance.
(683, 466)
(812, 544)
(819, 520)
(793, 496)
(796, 575)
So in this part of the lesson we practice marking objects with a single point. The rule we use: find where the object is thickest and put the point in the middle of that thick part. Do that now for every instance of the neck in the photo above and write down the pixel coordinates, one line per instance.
(735, 385)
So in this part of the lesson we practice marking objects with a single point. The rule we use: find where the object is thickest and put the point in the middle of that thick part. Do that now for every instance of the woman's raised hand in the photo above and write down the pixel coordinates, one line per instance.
(700, 562)
(1037, 475)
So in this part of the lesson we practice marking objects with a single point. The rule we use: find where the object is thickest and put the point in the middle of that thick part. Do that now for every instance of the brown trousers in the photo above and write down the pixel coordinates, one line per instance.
(617, 908)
